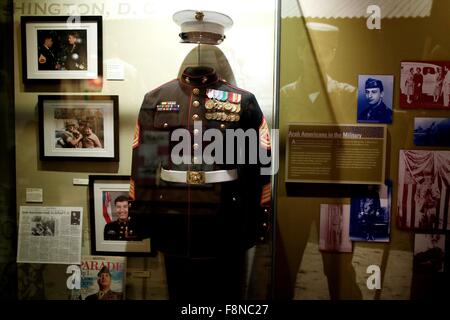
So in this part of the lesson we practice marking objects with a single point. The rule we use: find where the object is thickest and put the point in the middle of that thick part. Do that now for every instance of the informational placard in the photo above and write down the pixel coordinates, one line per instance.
(50, 235)
(347, 154)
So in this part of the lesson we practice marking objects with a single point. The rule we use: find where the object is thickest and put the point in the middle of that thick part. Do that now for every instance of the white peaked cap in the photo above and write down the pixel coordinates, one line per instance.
(202, 21)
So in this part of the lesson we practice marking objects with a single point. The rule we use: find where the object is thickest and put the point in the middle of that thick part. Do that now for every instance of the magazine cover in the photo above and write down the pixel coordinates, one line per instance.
(103, 278)
(370, 214)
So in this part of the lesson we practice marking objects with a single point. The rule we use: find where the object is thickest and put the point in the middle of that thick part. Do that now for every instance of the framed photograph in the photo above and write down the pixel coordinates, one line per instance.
(375, 95)
(113, 230)
(61, 48)
(79, 127)
(425, 85)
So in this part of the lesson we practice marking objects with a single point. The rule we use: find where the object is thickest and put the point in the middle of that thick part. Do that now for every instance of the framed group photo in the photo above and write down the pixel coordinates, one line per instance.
(113, 229)
(56, 48)
(78, 127)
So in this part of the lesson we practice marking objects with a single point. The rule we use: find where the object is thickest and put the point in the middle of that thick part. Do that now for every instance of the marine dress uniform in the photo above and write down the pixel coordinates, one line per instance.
(200, 212)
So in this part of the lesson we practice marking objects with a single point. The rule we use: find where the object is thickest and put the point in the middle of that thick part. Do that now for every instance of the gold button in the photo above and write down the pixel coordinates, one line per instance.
(196, 91)
(222, 126)
(196, 132)
(195, 117)
(165, 125)
(196, 103)
(195, 146)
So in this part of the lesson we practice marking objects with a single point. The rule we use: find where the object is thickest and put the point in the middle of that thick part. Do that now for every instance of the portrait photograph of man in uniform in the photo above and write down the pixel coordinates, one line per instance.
(104, 287)
(375, 98)
(203, 210)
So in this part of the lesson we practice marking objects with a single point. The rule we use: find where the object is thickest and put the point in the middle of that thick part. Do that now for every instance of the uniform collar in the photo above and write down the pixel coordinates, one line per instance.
(199, 76)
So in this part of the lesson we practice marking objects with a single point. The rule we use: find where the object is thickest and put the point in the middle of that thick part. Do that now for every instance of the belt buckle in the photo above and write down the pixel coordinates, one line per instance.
(195, 177)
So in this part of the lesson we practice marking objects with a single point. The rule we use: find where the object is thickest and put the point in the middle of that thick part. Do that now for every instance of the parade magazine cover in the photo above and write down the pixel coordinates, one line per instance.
(103, 278)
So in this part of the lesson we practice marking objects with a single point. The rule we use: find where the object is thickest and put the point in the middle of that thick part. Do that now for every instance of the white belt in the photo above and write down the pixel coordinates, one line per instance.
(198, 177)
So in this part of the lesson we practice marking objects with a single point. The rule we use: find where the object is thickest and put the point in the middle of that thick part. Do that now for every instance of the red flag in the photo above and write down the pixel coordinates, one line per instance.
(107, 206)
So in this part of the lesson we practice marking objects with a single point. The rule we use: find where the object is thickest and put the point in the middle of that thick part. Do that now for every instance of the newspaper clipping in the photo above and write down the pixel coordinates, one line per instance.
(50, 235)
(103, 278)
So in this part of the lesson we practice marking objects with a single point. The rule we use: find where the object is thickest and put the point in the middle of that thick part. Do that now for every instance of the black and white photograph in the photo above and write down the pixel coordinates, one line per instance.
(370, 214)
(57, 48)
(425, 84)
(423, 190)
(334, 228)
(375, 95)
(75, 218)
(432, 132)
(42, 226)
(113, 229)
(79, 127)
(429, 252)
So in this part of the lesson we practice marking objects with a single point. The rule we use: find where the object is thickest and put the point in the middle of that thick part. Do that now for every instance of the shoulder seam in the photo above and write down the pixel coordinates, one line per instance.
(235, 87)
(151, 91)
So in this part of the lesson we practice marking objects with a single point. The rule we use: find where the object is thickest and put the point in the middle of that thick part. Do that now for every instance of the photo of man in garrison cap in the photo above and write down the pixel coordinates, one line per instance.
(374, 96)
(104, 285)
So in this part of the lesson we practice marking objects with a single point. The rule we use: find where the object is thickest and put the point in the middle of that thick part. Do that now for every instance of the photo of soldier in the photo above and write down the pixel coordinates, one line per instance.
(104, 287)
(370, 214)
(122, 228)
(75, 218)
(70, 137)
(375, 98)
(74, 53)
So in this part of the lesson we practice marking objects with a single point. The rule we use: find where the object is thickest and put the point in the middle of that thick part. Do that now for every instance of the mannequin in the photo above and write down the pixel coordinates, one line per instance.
(201, 215)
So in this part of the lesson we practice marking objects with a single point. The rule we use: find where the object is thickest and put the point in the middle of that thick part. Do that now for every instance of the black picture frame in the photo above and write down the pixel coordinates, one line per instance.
(57, 137)
(65, 62)
(103, 190)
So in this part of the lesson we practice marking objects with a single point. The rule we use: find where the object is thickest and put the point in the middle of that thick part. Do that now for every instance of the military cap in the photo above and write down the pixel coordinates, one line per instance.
(374, 83)
(202, 26)
(105, 269)
(69, 123)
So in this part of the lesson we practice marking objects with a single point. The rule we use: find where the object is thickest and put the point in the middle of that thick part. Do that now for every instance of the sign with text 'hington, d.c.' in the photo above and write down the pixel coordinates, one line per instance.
(347, 154)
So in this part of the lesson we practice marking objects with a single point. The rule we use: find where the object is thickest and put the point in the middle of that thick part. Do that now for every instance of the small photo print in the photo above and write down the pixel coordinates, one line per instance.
(334, 228)
(370, 215)
(42, 226)
(375, 96)
(432, 132)
(79, 128)
(75, 217)
(429, 252)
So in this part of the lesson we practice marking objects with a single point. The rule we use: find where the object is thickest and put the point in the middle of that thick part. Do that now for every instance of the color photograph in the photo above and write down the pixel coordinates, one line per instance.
(370, 214)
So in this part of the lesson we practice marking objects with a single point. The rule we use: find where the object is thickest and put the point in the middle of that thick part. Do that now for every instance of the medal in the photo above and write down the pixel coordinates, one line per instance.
(209, 104)
(208, 116)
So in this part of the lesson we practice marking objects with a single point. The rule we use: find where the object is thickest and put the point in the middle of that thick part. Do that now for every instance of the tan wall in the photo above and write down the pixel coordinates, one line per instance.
(301, 271)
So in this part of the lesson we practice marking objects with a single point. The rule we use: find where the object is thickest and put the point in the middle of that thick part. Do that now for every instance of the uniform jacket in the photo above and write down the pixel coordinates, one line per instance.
(379, 114)
(109, 295)
(198, 220)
